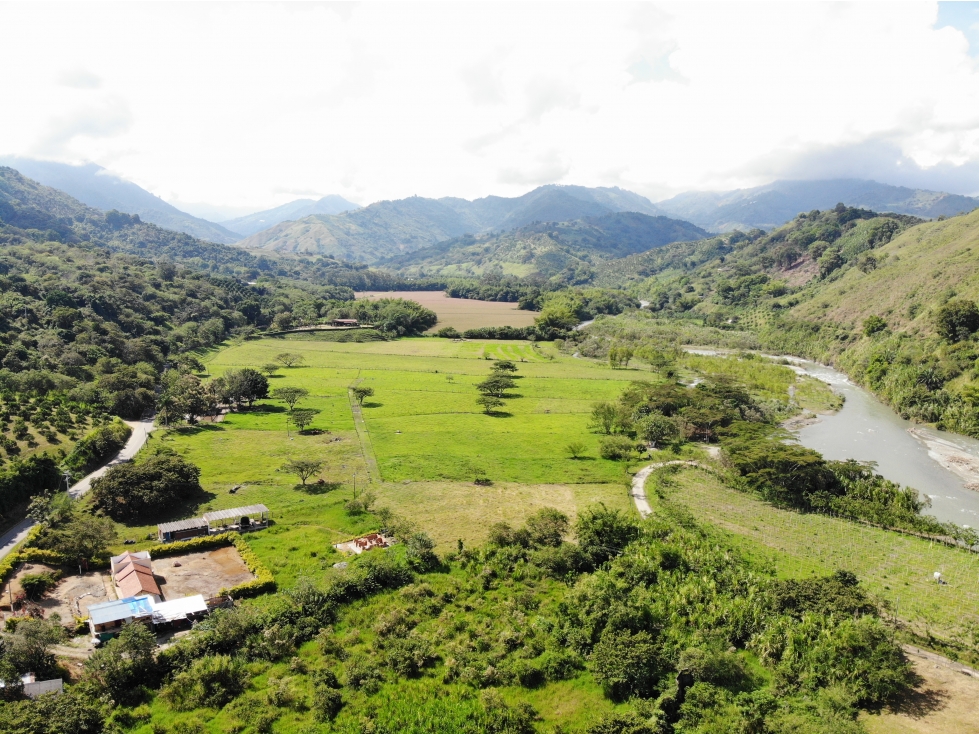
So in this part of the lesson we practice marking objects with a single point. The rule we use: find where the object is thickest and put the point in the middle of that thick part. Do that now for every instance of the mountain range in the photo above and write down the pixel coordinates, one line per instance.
(774, 204)
(96, 187)
(252, 223)
(566, 250)
(386, 229)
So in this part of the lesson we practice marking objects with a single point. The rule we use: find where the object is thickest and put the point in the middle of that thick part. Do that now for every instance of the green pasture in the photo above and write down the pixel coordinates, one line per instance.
(897, 568)
(423, 420)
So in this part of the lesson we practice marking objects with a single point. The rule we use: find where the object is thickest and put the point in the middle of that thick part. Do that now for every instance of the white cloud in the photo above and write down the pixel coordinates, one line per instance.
(241, 104)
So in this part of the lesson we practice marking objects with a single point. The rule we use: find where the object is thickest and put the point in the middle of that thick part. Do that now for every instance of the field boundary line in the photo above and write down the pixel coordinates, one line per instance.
(366, 447)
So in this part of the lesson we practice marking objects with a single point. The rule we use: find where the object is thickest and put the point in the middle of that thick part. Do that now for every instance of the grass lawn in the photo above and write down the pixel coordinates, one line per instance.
(895, 567)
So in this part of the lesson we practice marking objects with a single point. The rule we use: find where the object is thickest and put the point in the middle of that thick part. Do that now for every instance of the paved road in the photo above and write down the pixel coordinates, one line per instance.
(141, 431)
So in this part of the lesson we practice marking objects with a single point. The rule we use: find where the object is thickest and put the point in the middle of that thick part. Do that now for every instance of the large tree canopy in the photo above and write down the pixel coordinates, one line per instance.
(147, 490)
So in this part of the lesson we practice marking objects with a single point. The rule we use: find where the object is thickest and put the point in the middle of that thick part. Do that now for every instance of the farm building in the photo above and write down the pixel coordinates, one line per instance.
(181, 529)
(252, 517)
(105, 620)
(346, 322)
(133, 575)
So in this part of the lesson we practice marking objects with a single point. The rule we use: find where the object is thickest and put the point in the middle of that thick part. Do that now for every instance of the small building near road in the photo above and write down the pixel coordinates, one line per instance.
(181, 529)
(345, 322)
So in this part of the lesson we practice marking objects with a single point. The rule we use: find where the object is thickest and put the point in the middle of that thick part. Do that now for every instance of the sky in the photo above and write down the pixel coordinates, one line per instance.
(250, 105)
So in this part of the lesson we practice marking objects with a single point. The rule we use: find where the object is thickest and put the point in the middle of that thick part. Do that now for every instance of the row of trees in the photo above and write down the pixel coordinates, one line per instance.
(494, 388)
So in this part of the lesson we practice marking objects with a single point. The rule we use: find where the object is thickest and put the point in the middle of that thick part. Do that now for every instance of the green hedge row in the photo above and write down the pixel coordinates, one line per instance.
(8, 564)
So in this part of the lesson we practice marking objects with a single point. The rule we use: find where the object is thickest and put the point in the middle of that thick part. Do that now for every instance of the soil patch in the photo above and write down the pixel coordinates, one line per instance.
(200, 573)
(944, 701)
(71, 597)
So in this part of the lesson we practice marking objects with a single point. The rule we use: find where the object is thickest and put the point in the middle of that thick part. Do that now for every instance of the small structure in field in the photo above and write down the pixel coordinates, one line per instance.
(365, 543)
(133, 575)
(252, 517)
(181, 529)
(345, 322)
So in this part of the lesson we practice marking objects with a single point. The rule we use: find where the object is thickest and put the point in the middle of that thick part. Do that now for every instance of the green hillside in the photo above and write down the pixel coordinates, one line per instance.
(567, 252)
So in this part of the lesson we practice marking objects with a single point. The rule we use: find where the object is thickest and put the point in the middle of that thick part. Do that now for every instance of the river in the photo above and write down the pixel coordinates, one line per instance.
(937, 464)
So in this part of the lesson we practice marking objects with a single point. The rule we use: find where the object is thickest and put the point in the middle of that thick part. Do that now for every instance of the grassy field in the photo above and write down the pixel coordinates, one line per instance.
(897, 568)
(462, 313)
(428, 436)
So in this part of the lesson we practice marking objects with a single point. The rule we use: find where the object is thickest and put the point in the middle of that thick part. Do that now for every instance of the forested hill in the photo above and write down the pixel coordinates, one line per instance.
(779, 202)
(566, 252)
(33, 212)
(388, 229)
(96, 187)
(814, 245)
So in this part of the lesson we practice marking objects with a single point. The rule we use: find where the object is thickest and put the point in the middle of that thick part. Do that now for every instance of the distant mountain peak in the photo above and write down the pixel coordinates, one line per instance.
(386, 229)
(774, 204)
(97, 187)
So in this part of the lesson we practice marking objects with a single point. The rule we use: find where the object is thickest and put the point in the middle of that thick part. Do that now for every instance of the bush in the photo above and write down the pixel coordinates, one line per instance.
(448, 332)
(615, 447)
(327, 703)
(211, 682)
(141, 492)
(35, 584)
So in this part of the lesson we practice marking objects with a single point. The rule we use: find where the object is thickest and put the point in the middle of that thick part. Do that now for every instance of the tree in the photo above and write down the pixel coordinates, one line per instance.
(270, 368)
(504, 365)
(489, 403)
(289, 359)
(245, 385)
(620, 356)
(362, 392)
(144, 491)
(83, 538)
(576, 449)
(496, 385)
(302, 468)
(302, 417)
(290, 395)
(656, 428)
(28, 648)
(125, 664)
(603, 416)
(547, 528)
(957, 320)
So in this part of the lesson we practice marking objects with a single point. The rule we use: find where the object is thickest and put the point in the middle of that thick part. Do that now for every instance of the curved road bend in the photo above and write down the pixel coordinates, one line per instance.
(141, 432)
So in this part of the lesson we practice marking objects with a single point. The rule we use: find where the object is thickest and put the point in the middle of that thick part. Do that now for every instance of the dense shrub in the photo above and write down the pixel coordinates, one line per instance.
(211, 682)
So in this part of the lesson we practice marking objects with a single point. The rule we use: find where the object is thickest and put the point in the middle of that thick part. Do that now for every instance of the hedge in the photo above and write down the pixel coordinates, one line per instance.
(8, 564)
(263, 583)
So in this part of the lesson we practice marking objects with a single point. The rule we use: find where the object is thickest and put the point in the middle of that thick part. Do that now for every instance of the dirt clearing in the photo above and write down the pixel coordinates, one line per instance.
(71, 596)
(944, 702)
(200, 573)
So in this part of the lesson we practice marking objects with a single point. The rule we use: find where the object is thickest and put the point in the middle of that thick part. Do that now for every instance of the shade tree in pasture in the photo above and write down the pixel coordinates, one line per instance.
(290, 395)
(302, 417)
(303, 468)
